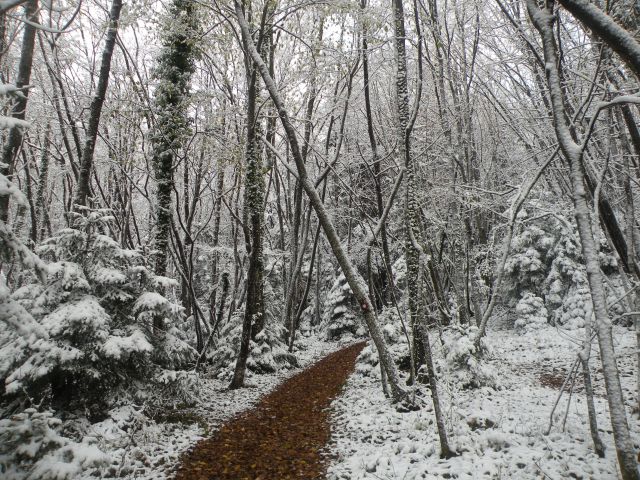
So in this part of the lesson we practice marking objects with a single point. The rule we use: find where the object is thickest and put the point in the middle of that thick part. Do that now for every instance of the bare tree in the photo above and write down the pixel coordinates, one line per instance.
(19, 109)
(543, 20)
(95, 110)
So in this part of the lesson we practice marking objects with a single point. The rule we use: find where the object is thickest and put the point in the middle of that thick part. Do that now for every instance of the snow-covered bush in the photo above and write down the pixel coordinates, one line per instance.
(392, 325)
(531, 256)
(12, 249)
(530, 312)
(12, 313)
(340, 316)
(96, 310)
(32, 448)
(464, 362)
(30, 444)
(307, 320)
(575, 309)
(545, 276)
(367, 361)
(222, 360)
(268, 351)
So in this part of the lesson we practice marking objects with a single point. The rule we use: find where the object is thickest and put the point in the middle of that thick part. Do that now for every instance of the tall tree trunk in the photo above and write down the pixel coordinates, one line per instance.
(40, 204)
(543, 20)
(95, 110)
(253, 319)
(412, 219)
(19, 110)
(253, 196)
(411, 210)
(377, 181)
(215, 238)
(173, 71)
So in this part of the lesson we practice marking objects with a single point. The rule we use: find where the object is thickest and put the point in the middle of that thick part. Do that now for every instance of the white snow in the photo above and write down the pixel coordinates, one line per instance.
(499, 433)
(10, 122)
(115, 346)
(150, 301)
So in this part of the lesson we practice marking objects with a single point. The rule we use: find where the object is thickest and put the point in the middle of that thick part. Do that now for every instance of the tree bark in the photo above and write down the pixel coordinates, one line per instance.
(19, 110)
(411, 210)
(543, 21)
(253, 318)
(95, 110)
(620, 41)
(377, 182)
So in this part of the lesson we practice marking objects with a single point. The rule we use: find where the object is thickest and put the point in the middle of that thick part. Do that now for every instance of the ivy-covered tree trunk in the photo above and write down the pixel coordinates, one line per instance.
(19, 109)
(253, 320)
(253, 200)
(95, 110)
(175, 66)
(411, 210)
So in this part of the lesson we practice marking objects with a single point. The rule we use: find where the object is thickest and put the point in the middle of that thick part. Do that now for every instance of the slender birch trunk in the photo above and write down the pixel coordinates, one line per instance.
(543, 21)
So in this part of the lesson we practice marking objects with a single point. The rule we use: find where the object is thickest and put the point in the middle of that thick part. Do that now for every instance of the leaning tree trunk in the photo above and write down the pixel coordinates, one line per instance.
(297, 239)
(543, 21)
(19, 110)
(356, 282)
(95, 110)
(620, 40)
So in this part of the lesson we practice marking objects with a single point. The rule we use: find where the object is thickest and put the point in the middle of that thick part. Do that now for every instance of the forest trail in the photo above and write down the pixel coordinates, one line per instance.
(283, 436)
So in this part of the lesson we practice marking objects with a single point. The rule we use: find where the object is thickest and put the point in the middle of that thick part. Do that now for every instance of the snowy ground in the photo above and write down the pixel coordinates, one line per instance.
(498, 433)
(141, 448)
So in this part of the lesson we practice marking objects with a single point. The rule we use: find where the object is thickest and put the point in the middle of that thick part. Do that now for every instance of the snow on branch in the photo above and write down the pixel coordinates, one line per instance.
(9, 4)
(620, 41)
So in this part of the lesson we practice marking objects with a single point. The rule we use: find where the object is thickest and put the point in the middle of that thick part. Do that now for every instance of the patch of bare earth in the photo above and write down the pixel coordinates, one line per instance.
(283, 436)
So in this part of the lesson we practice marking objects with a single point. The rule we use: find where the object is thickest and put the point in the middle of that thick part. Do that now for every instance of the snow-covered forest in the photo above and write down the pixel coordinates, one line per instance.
(341, 239)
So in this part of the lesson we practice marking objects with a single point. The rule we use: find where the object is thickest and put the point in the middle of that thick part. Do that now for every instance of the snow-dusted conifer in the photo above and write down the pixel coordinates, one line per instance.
(339, 317)
(95, 309)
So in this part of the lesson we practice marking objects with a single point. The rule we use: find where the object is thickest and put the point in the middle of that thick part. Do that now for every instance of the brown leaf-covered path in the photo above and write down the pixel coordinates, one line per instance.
(282, 437)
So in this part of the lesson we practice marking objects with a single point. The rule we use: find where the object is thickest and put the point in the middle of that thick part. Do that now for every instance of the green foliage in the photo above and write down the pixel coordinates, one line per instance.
(94, 312)
(31, 447)
(545, 277)
(175, 66)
